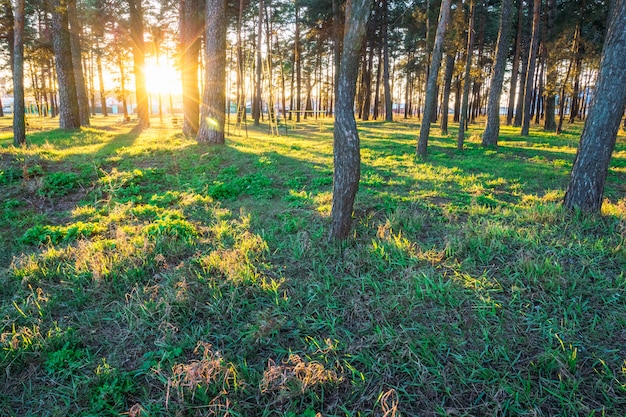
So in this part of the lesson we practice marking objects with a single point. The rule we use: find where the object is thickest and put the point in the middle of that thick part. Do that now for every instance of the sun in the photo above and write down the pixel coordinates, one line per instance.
(162, 78)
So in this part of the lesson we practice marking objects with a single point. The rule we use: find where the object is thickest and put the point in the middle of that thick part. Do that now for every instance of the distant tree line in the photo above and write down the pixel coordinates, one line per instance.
(287, 56)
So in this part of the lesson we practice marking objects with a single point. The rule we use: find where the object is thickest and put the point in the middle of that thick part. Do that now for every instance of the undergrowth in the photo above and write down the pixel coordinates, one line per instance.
(143, 274)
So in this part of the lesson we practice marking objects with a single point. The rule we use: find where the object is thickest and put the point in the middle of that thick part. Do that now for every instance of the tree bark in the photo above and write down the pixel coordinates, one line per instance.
(19, 121)
(597, 142)
(212, 118)
(347, 159)
(77, 63)
(139, 57)
(467, 81)
(68, 101)
(492, 130)
(530, 72)
(190, 28)
(431, 84)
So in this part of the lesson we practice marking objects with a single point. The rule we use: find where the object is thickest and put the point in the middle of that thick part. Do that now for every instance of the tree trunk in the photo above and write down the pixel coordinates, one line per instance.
(516, 60)
(77, 63)
(190, 30)
(298, 64)
(19, 116)
(431, 84)
(562, 94)
(530, 72)
(139, 55)
(388, 99)
(492, 130)
(367, 84)
(120, 63)
(347, 159)
(212, 118)
(256, 100)
(103, 99)
(445, 104)
(68, 100)
(241, 95)
(467, 81)
(377, 89)
(597, 142)
(552, 70)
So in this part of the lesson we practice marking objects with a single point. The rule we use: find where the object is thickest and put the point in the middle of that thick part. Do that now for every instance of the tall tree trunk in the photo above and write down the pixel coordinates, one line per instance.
(515, 66)
(241, 94)
(575, 106)
(347, 157)
(77, 63)
(562, 94)
(256, 100)
(19, 116)
(139, 56)
(298, 65)
(367, 84)
(552, 72)
(190, 30)
(530, 72)
(597, 142)
(445, 104)
(92, 84)
(467, 80)
(68, 105)
(212, 118)
(538, 113)
(377, 88)
(386, 83)
(492, 130)
(431, 84)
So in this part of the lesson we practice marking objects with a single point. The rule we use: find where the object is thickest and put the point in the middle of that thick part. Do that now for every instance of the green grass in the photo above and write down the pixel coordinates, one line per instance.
(144, 274)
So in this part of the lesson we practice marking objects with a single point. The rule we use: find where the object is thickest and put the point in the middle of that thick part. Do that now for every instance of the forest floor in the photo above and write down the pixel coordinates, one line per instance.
(143, 274)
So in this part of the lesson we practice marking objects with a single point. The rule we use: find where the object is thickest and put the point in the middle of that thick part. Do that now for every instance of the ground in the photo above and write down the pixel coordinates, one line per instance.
(145, 274)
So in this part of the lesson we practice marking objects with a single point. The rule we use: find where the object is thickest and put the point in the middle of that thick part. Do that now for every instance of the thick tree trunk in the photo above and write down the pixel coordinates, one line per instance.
(597, 142)
(347, 158)
(139, 56)
(467, 80)
(492, 130)
(431, 84)
(19, 117)
(191, 24)
(530, 72)
(68, 101)
(214, 97)
(445, 105)
(77, 63)
(387, 84)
